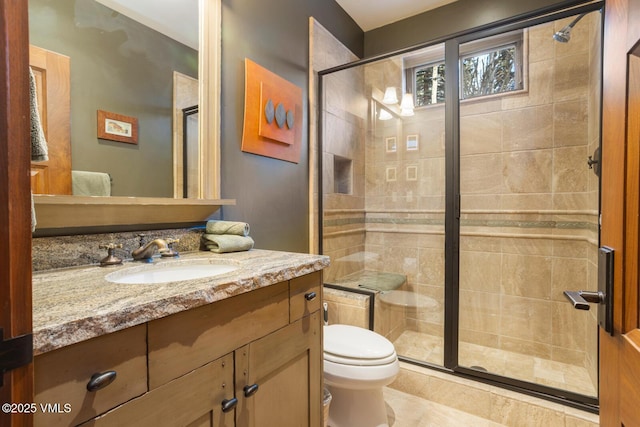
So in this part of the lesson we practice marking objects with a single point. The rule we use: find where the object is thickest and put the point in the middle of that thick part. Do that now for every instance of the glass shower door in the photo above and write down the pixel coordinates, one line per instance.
(529, 120)
(384, 199)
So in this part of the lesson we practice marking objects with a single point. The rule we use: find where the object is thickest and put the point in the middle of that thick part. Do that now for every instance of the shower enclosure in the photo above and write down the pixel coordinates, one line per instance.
(461, 212)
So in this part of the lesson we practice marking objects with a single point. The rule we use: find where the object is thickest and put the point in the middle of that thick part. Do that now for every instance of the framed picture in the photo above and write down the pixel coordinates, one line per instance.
(391, 144)
(116, 127)
(412, 142)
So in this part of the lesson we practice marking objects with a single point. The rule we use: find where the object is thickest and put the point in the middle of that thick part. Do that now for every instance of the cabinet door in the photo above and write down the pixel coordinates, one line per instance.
(286, 367)
(193, 400)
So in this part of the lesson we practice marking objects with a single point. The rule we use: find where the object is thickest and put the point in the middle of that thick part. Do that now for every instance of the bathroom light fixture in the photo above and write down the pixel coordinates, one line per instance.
(384, 115)
(390, 96)
(406, 106)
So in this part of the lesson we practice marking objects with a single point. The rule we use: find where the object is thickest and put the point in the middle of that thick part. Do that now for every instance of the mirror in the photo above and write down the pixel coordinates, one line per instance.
(136, 75)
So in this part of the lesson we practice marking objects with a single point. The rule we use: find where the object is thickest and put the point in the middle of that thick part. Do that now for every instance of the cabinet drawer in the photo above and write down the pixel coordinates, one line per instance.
(195, 399)
(185, 341)
(61, 376)
(304, 295)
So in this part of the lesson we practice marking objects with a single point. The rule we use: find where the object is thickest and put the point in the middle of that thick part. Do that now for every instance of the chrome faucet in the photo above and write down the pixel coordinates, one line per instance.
(147, 251)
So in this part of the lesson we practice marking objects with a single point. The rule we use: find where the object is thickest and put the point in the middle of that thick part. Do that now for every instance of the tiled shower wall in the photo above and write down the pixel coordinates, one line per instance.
(344, 115)
(529, 202)
(529, 205)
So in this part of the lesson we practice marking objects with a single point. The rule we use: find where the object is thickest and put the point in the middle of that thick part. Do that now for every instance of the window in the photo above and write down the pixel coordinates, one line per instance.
(489, 66)
(489, 72)
(429, 84)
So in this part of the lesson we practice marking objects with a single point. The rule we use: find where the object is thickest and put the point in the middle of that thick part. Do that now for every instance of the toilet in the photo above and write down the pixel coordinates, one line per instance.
(357, 364)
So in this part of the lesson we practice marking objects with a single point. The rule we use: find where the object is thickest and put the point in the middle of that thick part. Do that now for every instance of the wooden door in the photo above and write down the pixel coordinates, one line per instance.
(53, 83)
(620, 352)
(15, 229)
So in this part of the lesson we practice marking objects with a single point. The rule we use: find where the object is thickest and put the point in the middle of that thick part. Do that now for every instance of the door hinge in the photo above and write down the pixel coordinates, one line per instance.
(15, 352)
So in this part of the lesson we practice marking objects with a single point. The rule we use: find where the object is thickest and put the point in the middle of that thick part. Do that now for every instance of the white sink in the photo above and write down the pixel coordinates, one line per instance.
(169, 272)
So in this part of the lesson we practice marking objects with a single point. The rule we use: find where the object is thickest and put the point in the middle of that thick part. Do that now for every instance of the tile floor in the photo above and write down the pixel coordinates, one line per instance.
(422, 397)
(405, 410)
(424, 347)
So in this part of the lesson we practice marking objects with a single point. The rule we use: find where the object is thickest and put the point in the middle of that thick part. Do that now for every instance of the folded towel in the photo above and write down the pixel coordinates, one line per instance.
(90, 183)
(39, 151)
(227, 227)
(221, 243)
(379, 281)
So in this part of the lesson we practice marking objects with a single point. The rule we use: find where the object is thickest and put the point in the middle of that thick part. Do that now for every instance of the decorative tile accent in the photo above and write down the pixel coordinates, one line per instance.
(391, 144)
(391, 174)
(412, 173)
(412, 142)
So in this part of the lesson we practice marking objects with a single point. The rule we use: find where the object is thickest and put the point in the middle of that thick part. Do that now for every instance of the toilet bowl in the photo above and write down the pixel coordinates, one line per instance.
(357, 364)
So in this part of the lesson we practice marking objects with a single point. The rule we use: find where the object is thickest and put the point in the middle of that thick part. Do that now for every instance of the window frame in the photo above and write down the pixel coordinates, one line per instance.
(434, 56)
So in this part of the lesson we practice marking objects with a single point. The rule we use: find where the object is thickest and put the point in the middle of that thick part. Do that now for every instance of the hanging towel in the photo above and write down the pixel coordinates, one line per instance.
(221, 243)
(39, 150)
(228, 227)
(33, 215)
(90, 183)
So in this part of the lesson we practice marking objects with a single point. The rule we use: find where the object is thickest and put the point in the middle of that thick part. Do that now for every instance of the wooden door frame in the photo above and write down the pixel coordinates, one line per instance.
(15, 207)
(620, 207)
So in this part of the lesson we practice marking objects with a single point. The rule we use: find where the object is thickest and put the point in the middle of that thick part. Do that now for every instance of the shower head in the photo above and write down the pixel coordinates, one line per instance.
(564, 35)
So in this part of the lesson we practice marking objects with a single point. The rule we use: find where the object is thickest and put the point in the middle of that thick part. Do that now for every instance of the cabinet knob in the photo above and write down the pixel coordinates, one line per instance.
(310, 296)
(250, 390)
(229, 404)
(101, 380)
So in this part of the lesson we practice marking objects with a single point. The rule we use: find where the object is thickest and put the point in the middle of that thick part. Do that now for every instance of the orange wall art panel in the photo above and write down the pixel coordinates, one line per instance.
(272, 114)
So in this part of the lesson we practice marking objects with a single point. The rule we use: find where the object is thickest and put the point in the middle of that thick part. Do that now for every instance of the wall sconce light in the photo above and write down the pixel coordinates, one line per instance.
(406, 106)
(390, 96)
(384, 115)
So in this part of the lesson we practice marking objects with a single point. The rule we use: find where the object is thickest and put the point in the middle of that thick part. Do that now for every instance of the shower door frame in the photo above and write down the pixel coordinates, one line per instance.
(452, 216)
(452, 192)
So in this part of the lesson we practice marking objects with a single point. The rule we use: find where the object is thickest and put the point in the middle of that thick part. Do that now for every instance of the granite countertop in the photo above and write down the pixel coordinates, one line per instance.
(76, 304)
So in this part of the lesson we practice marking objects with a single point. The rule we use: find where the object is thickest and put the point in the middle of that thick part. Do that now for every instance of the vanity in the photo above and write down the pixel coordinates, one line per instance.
(241, 348)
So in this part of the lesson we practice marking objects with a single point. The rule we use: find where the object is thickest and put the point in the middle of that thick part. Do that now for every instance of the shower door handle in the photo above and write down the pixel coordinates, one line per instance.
(603, 296)
(581, 299)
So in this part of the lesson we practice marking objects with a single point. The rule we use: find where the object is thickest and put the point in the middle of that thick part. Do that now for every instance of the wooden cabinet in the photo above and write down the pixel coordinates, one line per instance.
(185, 341)
(258, 355)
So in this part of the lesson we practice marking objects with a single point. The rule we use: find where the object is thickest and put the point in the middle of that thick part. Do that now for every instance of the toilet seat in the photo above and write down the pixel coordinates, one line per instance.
(350, 345)
(335, 358)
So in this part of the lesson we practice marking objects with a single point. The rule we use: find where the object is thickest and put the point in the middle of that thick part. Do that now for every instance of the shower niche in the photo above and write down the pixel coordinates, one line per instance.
(342, 175)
